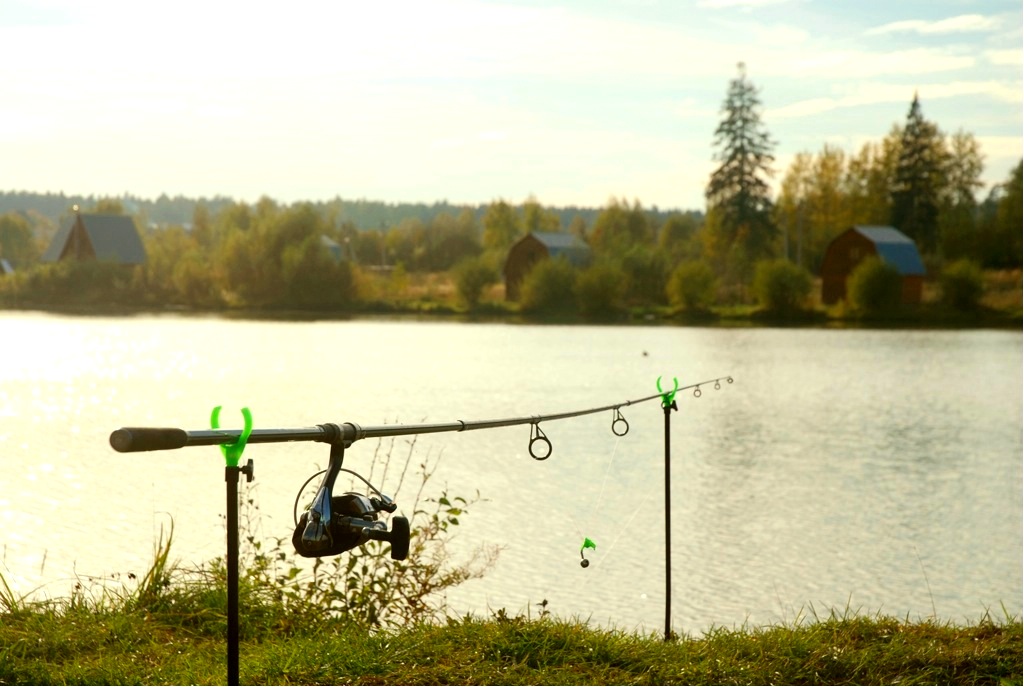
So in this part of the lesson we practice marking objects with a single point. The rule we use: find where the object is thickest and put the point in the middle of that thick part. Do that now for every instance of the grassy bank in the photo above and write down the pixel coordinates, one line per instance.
(169, 626)
(77, 644)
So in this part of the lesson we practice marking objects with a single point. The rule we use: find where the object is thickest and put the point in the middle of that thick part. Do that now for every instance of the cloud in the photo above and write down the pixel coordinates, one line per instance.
(963, 23)
(880, 93)
(861, 64)
(1004, 57)
(741, 4)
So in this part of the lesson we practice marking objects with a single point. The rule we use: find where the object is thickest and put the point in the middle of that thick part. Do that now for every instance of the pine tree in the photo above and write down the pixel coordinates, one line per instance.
(918, 180)
(738, 196)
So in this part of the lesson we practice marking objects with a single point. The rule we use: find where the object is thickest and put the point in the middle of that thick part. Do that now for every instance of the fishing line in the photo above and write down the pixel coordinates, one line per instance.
(589, 521)
(607, 552)
(604, 482)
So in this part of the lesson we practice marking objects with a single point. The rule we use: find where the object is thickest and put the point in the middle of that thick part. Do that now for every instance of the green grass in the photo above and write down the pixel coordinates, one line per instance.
(169, 627)
(180, 640)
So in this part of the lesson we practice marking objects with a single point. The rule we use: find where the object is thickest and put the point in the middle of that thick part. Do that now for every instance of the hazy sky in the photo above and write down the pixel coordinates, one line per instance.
(473, 100)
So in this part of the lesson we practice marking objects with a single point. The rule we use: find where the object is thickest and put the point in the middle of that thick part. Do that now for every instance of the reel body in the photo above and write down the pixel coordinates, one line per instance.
(353, 522)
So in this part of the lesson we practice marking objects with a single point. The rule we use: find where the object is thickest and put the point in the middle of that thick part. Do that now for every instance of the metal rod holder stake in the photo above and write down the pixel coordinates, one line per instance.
(668, 407)
(231, 473)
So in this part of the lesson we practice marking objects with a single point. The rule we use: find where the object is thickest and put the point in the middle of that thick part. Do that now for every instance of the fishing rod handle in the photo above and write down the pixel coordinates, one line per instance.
(132, 439)
(135, 439)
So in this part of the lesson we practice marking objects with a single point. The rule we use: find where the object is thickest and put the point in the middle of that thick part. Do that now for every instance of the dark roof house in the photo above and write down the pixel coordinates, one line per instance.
(847, 250)
(537, 246)
(108, 238)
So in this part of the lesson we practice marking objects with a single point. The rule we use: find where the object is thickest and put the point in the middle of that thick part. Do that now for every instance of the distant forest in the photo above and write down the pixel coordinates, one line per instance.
(361, 214)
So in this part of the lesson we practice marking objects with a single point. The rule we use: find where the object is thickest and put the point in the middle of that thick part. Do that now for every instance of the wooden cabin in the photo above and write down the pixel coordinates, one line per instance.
(108, 238)
(859, 242)
(537, 246)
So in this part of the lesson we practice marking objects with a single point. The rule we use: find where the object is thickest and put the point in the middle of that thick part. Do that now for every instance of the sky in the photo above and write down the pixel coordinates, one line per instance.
(471, 101)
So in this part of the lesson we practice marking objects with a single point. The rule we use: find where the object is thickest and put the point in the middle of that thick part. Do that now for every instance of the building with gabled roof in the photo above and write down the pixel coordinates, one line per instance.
(537, 246)
(108, 238)
(891, 245)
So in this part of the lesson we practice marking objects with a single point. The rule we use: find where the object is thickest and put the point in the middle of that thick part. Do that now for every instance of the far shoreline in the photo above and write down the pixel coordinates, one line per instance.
(919, 318)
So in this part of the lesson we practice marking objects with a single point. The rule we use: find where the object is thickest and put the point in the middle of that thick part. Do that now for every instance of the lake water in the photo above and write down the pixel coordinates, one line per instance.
(875, 470)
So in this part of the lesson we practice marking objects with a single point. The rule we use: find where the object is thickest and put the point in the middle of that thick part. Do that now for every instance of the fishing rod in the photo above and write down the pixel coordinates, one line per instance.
(333, 523)
(136, 439)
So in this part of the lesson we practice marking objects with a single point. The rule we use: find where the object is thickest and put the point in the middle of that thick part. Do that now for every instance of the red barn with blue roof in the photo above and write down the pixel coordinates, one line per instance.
(859, 242)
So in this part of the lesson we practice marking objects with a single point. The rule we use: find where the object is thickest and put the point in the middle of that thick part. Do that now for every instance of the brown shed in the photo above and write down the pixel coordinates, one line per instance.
(110, 238)
(859, 242)
(537, 246)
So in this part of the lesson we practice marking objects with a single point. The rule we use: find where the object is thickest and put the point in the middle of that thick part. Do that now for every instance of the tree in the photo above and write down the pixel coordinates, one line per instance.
(313, 278)
(829, 214)
(918, 180)
(536, 218)
(548, 287)
(17, 244)
(737, 192)
(691, 286)
(108, 206)
(645, 271)
(619, 227)
(791, 209)
(959, 216)
(813, 205)
(449, 240)
(869, 180)
(676, 237)
(501, 226)
(598, 289)
(1000, 223)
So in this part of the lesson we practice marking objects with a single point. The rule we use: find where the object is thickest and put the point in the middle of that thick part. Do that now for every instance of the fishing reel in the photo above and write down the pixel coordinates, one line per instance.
(336, 524)
(351, 522)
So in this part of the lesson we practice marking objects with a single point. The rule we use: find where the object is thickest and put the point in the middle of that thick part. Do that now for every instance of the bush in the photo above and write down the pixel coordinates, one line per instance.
(599, 289)
(472, 275)
(364, 585)
(645, 270)
(76, 283)
(313, 279)
(781, 286)
(874, 286)
(548, 287)
(962, 285)
(692, 285)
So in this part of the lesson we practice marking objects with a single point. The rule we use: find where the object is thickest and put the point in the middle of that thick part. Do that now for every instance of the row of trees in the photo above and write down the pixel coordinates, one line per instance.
(916, 179)
(304, 255)
(271, 255)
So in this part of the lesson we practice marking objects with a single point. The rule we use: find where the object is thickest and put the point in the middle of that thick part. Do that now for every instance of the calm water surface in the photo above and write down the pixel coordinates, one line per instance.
(876, 470)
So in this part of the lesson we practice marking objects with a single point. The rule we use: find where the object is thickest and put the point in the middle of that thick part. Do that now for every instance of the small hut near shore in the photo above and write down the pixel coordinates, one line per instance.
(859, 242)
(108, 238)
(537, 246)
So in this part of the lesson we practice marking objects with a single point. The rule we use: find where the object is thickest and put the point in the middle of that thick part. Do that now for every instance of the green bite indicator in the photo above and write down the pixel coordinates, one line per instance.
(233, 451)
(587, 544)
